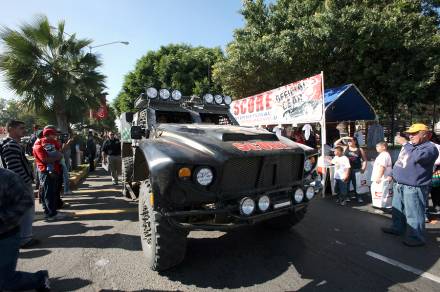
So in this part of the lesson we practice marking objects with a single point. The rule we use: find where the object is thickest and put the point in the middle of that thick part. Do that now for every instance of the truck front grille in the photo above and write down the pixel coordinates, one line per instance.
(240, 174)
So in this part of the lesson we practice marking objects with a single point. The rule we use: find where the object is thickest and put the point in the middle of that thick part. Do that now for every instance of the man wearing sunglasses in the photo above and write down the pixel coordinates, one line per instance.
(412, 174)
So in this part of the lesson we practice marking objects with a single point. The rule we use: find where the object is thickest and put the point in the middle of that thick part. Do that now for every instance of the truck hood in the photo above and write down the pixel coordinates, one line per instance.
(217, 142)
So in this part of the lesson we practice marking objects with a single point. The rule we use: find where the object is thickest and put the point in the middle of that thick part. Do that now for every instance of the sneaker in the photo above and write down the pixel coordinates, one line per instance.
(343, 203)
(45, 282)
(32, 242)
(413, 242)
(360, 200)
(348, 200)
(58, 216)
(337, 201)
(391, 231)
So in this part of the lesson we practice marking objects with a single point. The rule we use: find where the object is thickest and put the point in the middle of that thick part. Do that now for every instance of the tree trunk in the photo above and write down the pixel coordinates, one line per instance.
(60, 113)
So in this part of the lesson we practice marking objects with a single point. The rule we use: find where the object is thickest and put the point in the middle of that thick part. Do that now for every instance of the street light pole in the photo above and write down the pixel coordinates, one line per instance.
(106, 44)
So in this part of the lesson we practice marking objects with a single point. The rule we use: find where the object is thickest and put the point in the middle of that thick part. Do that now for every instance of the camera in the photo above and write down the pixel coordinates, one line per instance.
(64, 137)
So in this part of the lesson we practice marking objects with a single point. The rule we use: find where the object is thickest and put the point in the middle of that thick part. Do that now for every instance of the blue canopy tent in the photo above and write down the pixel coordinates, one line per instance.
(347, 103)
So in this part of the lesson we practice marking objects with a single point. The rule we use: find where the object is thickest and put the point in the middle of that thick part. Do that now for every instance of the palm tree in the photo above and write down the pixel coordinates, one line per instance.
(51, 70)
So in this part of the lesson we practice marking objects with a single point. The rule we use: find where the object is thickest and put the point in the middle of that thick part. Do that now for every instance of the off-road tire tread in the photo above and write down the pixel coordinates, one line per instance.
(170, 245)
(127, 169)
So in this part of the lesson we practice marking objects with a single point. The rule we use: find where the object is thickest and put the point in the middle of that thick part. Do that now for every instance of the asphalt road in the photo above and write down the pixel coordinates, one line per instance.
(333, 249)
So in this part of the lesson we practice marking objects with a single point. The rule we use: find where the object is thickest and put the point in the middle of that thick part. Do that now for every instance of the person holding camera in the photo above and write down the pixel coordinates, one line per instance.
(412, 174)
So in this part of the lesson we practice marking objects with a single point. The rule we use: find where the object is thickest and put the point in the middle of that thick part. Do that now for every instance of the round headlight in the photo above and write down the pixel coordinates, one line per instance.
(164, 93)
(228, 99)
(204, 176)
(247, 206)
(208, 98)
(176, 95)
(310, 192)
(308, 165)
(152, 92)
(299, 195)
(263, 203)
(218, 99)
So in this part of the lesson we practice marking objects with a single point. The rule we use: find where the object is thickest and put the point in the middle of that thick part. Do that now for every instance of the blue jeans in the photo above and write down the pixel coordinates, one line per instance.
(49, 193)
(9, 278)
(341, 188)
(352, 180)
(65, 176)
(28, 218)
(409, 205)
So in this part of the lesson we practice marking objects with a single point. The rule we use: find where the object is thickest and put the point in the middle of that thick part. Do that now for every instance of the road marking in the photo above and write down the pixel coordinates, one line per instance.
(109, 211)
(404, 267)
(102, 262)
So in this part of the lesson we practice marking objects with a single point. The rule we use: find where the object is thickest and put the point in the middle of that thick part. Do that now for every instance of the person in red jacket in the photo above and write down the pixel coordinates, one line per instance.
(47, 157)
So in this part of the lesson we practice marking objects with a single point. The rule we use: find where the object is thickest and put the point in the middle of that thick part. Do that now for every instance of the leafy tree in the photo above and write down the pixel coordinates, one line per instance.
(182, 67)
(14, 110)
(51, 71)
(389, 48)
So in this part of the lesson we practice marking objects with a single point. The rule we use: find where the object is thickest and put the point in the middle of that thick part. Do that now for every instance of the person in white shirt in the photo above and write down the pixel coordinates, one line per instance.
(381, 174)
(342, 174)
(382, 167)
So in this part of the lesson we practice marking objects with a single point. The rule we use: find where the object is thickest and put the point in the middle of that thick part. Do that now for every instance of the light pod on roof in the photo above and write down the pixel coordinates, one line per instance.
(151, 92)
(176, 95)
(208, 98)
(218, 99)
(164, 93)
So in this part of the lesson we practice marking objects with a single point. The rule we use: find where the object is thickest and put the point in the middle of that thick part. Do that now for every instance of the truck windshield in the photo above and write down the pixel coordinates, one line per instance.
(173, 117)
(216, 119)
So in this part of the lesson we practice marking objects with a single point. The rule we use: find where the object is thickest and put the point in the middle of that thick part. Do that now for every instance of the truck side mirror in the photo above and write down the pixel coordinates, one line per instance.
(136, 132)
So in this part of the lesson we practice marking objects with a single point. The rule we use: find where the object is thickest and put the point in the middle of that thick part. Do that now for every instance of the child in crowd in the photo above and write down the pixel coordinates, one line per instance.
(342, 174)
(381, 177)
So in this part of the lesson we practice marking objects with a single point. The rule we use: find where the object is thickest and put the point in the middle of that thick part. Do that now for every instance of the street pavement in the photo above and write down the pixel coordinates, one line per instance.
(333, 249)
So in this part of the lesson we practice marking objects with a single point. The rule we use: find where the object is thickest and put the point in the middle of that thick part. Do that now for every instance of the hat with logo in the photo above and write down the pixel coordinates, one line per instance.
(417, 128)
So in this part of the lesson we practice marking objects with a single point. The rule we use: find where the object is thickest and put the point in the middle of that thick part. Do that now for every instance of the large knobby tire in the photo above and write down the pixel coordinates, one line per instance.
(285, 222)
(127, 174)
(163, 244)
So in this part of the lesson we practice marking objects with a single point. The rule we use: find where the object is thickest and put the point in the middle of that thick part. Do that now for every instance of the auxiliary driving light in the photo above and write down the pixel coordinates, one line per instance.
(152, 92)
(247, 206)
(310, 192)
(228, 99)
(218, 99)
(299, 195)
(176, 95)
(204, 176)
(164, 93)
(263, 203)
(208, 98)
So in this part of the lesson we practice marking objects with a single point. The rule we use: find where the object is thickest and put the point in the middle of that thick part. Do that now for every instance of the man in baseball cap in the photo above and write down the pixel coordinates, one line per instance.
(412, 174)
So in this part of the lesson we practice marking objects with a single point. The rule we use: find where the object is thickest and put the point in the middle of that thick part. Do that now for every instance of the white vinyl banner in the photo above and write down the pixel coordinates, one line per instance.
(298, 102)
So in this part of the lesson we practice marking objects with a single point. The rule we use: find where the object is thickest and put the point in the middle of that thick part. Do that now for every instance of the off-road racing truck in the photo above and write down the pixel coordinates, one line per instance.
(193, 168)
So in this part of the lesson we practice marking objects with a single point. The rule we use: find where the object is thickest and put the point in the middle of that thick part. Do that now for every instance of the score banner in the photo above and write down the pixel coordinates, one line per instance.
(298, 102)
